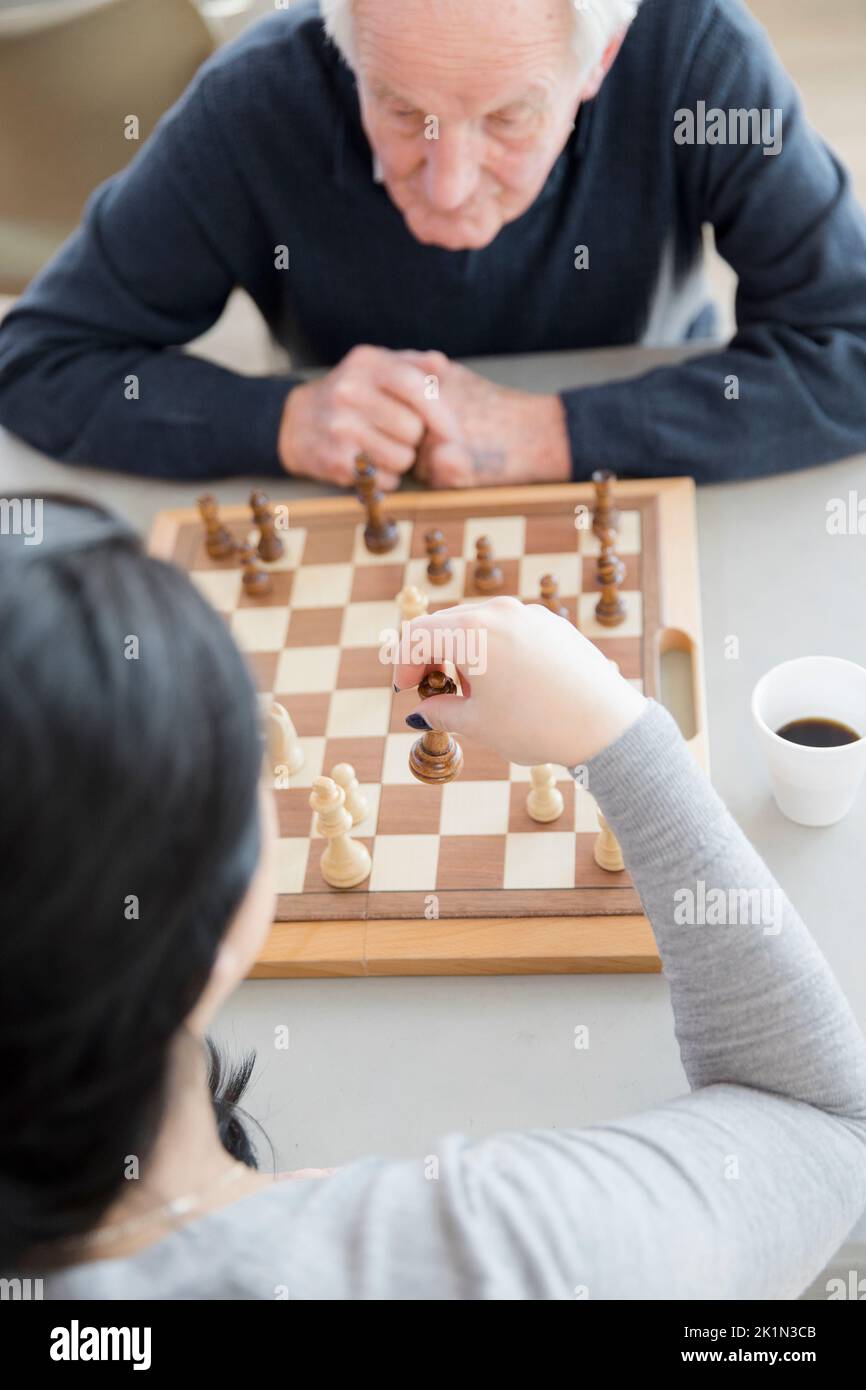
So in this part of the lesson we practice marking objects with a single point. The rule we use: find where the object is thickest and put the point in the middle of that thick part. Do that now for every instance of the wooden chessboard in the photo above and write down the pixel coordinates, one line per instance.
(463, 881)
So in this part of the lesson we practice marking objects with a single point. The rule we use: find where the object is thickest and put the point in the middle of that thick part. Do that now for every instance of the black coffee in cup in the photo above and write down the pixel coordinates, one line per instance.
(818, 733)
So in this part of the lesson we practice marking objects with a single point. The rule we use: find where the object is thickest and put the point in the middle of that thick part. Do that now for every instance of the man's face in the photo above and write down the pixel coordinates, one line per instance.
(467, 105)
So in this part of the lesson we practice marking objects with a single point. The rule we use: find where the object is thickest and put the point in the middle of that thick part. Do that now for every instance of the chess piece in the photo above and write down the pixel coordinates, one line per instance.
(611, 609)
(381, 533)
(283, 745)
(488, 576)
(218, 541)
(606, 851)
(256, 581)
(544, 803)
(270, 546)
(439, 569)
(356, 803)
(605, 516)
(412, 602)
(436, 756)
(550, 595)
(345, 862)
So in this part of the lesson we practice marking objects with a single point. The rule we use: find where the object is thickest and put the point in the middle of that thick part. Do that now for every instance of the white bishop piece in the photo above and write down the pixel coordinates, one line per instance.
(413, 602)
(283, 745)
(356, 803)
(345, 862)
(545, 801)
(607, 853)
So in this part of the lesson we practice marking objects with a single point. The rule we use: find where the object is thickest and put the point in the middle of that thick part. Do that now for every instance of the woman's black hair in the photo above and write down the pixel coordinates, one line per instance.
(129, 763)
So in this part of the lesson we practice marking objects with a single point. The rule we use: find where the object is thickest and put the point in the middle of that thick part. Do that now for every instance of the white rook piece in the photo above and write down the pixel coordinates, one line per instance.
(345, 862)
(607, 853)
(413, 602)
(545, 801)
(356, 803)
(284, 746)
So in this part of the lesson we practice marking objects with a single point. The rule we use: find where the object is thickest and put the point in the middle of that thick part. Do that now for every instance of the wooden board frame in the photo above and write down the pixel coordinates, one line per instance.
(500, 945)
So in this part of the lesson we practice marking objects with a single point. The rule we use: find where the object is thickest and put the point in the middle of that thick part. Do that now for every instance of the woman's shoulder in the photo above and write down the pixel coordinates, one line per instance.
(244, 1250)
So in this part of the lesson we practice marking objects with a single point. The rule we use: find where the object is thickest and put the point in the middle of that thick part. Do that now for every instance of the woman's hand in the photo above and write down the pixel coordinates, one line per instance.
(534, 688)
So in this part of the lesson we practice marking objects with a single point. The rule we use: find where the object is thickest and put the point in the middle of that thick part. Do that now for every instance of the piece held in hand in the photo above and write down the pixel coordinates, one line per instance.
(345, 862)
(218, 541)
(606, 852)
(545, 801)
(256, 581)
(381, 533)
(283, 747)
(436, 756)
(605, 516)
(611, 608)
(549, 595)
(412, 602)
(270, 546)
(487, 577)
(356, 803)
(439, 570)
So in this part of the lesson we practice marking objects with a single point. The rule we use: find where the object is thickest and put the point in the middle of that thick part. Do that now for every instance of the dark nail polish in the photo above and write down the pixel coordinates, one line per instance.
(417, 721)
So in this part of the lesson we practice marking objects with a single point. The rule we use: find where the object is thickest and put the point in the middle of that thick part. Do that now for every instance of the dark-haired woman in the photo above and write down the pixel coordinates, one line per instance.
(135, 893)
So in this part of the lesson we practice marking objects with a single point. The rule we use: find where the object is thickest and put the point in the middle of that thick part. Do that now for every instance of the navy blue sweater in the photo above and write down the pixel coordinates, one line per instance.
(266, 149)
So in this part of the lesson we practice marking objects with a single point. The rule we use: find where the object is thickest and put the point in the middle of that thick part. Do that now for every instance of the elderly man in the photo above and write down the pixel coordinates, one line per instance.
(446, 180)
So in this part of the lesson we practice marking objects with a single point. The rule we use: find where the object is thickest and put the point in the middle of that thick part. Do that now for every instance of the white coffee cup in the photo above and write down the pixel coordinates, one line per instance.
(812, 786)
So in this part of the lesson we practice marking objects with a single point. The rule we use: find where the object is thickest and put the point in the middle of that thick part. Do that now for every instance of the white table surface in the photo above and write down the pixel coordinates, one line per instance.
(386, 1065)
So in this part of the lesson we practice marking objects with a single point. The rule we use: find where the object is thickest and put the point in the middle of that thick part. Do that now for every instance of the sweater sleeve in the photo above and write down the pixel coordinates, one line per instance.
(90, 366)
(785, 392)
(742, 1189)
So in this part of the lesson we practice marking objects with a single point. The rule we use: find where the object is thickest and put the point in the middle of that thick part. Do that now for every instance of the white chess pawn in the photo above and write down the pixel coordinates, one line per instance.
(545, 801)
(413, 602)
(356, 803)
(345, 862)
(283, 745)
(606, 851)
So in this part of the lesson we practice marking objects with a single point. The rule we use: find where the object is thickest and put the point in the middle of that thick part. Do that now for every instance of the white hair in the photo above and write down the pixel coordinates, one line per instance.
(596, 22)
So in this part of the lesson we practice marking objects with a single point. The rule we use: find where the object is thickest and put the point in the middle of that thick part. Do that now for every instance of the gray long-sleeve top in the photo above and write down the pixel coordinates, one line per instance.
(742, 1189)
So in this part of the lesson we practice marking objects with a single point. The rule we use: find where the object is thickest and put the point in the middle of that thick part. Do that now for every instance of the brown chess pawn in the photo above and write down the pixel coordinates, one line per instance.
(605, 516)
(218, 541)
(439, 569)
(256, 581)
(270, 546)
(436, 756)
(550, 595)
(611, 609)
(488, 576)
(381, 533)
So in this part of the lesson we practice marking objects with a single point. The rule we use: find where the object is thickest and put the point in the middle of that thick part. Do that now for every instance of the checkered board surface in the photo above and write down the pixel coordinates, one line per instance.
(313, 644)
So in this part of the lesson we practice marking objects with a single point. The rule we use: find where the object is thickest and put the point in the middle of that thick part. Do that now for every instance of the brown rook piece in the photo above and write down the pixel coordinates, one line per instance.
(381, 533)
(488, 576)
(256, 581)
(611, 608)
(436, 756)
(550, 595)
(439, 570)
(270, 546)
(218, 541)
(606, 516)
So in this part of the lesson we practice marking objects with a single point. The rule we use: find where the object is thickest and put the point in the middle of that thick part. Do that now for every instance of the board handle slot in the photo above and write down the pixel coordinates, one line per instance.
(681, 686)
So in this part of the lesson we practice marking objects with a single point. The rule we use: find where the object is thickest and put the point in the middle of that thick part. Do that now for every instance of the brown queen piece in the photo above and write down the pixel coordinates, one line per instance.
(605, 516)
(436, 756)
